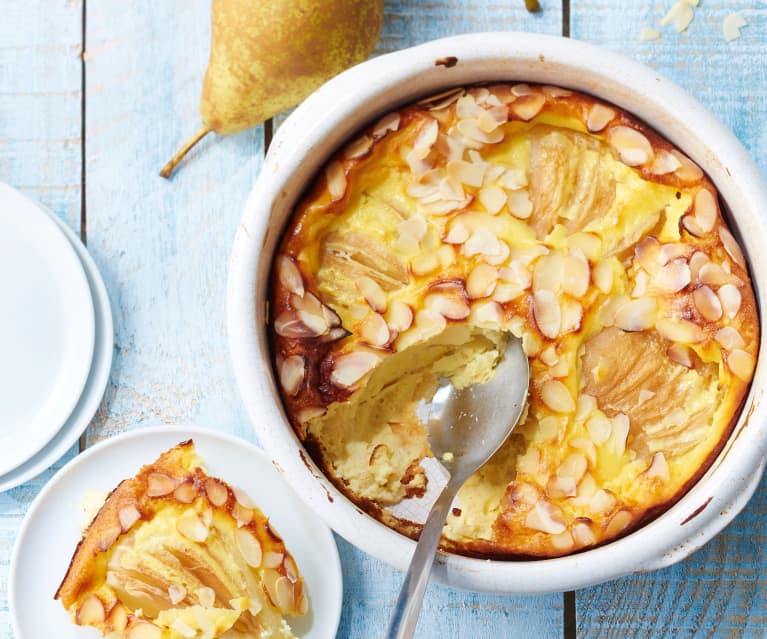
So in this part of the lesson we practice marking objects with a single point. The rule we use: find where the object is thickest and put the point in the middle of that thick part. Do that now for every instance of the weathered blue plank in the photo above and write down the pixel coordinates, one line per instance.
(40, 128)
(720, 590)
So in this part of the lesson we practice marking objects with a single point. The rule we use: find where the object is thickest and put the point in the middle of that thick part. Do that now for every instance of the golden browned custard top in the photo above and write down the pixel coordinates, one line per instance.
(524, 210)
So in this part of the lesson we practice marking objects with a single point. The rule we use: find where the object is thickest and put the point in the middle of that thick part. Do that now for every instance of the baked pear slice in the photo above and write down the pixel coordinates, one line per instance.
(177, 554)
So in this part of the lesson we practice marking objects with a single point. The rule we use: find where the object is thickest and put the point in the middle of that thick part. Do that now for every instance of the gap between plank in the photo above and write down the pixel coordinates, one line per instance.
(82, 442)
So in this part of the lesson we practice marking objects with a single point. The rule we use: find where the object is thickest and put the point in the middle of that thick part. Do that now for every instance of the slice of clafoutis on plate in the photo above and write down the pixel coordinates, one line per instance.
(177, 554)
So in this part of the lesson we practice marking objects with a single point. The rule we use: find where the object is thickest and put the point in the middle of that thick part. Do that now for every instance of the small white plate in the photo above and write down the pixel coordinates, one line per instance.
(51, 529)
(97, 379)
(47, 329)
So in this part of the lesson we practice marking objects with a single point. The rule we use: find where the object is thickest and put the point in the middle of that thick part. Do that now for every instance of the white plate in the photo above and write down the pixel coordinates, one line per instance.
(47, 329)
(50, 531)
(97, 378)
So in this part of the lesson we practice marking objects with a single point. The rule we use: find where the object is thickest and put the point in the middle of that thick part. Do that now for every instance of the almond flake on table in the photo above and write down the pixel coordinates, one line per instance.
(648, 34)
(680, 14)
(732, 25)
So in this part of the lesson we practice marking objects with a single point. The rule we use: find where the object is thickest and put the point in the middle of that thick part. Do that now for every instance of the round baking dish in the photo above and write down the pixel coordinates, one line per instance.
(346, 103)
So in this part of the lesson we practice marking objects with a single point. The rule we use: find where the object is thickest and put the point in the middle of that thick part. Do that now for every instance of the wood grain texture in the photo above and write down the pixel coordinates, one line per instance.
(40, 127)
(720, 590)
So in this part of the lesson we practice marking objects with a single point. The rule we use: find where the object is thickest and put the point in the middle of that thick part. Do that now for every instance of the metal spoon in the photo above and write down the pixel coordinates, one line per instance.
(465, 428)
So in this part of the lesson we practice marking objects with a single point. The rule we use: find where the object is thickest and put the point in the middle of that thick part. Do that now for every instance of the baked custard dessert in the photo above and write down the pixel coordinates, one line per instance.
(533, 211)
(176, 554)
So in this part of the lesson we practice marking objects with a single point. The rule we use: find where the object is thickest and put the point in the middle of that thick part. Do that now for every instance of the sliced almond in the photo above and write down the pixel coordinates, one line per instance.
(658, 468)
(243, 498)
(191, 527)
(741, 364)
(292, 373)
(487, 313)
(206, 597)
(291, 325)
(389, 122)
(359, 148)
(680, 354)
(336, 180)
(559, 487)
(557, 396)
(713, 274)
(372, 292)
(572, 316)
(519, 203)
(673, 277)
(458, 233)
(545, 517)
(730, 298)
(399, 316)
(272, 559)
(160, 484)
(680, 330)
(91, 611)
(648, 253)
(574, 466)
(549, 272)
(182, 628)
(128, 515)
(481, 281)
(599, 428)
(618, 523)
(732, 247)
(289, 275)
(117, 620)
(688, 171)
(729, 338)
(576, 274)
(291, 570)
(664, 163)
(468, 173)
(602, 502)
(547, 313)
(176, 593)
(424, 264)
(492, 198)
(633, 147)
(732, 25)
(216, 491)
(472, 132)
(619, 433)
(526, 107)
(705, 209)
(374, 330)
(451, 304)
(599, 117)
(583, 535)
(250, 547)
(697, 261)
(143, 630)
(350, 368)
(589, 450)
(186, 493)
(637, 315)
(603, 276)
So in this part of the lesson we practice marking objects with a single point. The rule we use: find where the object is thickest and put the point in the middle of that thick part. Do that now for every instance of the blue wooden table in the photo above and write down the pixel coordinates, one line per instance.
(95, 94)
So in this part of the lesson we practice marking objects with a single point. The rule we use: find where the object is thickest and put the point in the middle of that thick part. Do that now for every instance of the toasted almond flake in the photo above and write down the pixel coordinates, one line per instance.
(705, 210)
(389, 122)
(645, 395)
(245, 515)
(206, 597)
(448, 98)
(513, 179)
(658, 468)
(449, 304)
(288, 324)
(602, 502)
(471, 130)
(673, 251)
(603, 276)
(637, 315)
(546, 518)
(680, 15)
(714, 275)
(190, 526)
(641, 281)
(399, 316)
(372, 292)
(466, 172)
(250, 547)
(730, 298)
(707, 303)
(647, 33)
(91, 611)
(487, 313)
(599, 117)
(160, 484)
(576, 274)
(586, 406)
(559, 487)
(358, 148)
(732, 25)
(680, 354)
(336, 180)
(290, 275)
(673, 277)
(588, 244)
(492, 198)
(664, 163)
(426, 138)
(619, 522)
(143, 630)
(572, 315)
(731, 246)
(557, 396)
(647, 252)
(482, 241)
(506, 291)
(549, 272)
(583, 535)
(741, 364)
(519, 204)
(549, 355)
(688, 171)
(409, 233)
(430, 322)
(633, 147)
(587, 447)
(481, 281)
(292, 373)
(183, 628)
(272, 559)
(547, 313)
(680, 330)
(176, 593)
(619, 433)
(599, 428)
(317, 324)
(526, 107)
(458, 233)
(128, 515)
(350, 368)
(697, 261)
(186, 493)
(374, 330)
(217, 493)
(424, 264)
(574, 465)
(530, 462)
(522, 89)
(729, 338)
(487, 122)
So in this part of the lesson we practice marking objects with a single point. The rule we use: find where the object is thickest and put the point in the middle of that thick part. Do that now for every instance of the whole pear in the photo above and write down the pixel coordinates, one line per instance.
(268, 55)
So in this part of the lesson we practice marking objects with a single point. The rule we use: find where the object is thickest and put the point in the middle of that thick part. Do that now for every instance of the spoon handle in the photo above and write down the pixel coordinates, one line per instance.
(408, 606)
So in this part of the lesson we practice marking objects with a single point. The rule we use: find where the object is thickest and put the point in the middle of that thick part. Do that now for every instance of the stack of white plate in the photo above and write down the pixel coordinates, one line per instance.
(56, 338)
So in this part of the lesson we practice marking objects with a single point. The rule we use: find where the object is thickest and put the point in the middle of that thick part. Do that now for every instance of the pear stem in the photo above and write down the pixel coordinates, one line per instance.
(168, 169)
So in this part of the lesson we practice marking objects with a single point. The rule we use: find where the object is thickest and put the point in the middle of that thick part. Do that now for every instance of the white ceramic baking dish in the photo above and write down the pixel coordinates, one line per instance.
(353, 99)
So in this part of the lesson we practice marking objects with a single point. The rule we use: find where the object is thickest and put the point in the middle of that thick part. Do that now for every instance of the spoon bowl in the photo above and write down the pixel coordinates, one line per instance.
(466, 427)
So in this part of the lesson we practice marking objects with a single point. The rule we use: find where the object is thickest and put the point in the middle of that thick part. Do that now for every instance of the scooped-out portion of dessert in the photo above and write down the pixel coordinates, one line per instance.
(534, 211)
(177, 554)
